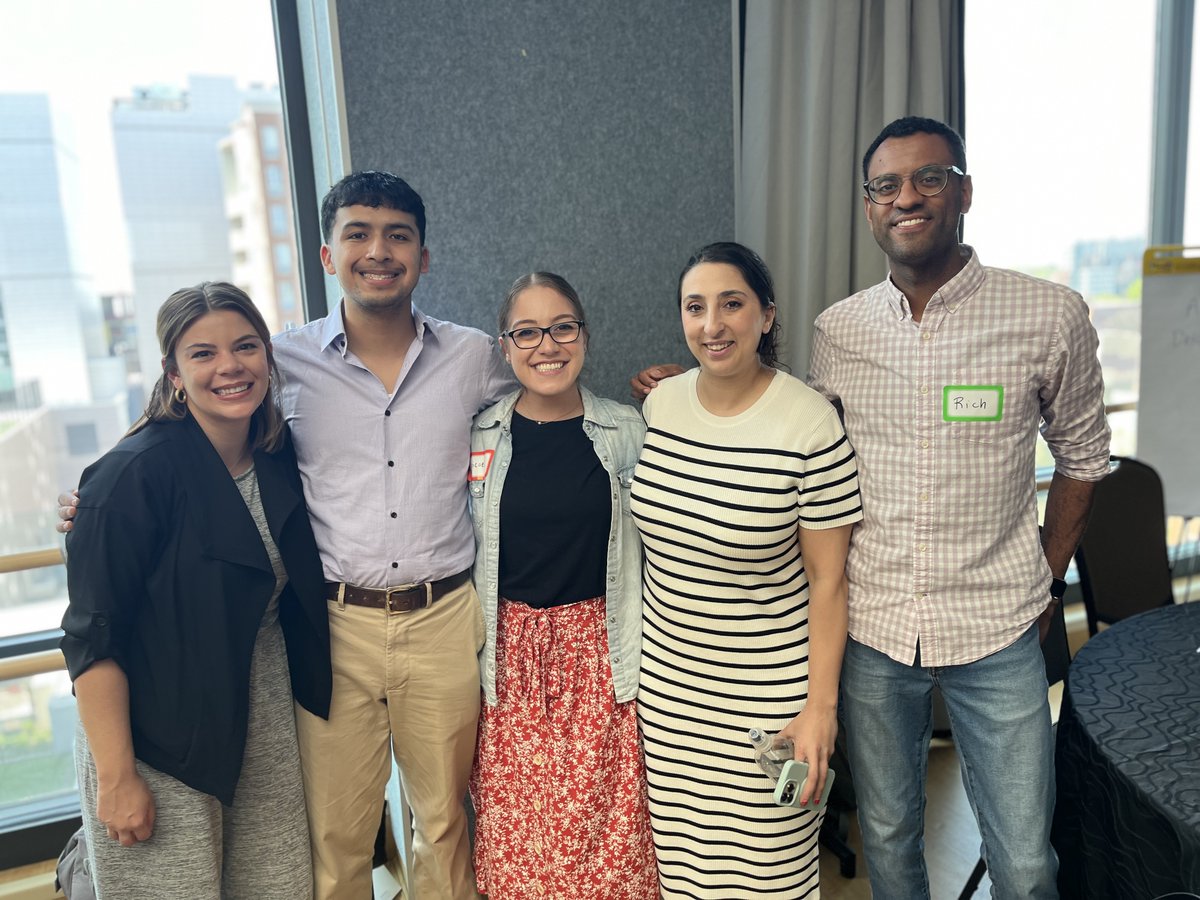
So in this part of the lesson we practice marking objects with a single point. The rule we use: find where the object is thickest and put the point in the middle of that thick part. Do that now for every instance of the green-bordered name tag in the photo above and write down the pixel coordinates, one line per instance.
(972, 403)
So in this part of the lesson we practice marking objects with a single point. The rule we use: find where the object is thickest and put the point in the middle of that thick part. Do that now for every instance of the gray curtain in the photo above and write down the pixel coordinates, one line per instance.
(819, 79)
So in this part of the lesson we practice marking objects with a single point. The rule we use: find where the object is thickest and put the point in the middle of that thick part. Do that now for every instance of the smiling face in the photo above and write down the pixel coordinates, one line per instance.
(221, 364)
(723, 320)
(917, 231)
(377, 256)
(549, 371)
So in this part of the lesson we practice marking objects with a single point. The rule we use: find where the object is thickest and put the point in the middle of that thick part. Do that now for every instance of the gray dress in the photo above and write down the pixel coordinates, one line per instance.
(257, 849)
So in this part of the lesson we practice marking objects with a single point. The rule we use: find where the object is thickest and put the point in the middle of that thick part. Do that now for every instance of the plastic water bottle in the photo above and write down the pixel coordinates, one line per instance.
(771, 751)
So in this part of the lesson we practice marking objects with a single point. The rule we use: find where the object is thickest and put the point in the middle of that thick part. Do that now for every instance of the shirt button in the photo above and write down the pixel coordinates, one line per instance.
(924, 389)
(616, 659)
(395, 565)
(387, 412)
(927, 335)
(612, 620)
(924, 445)
(391, 462)
(922, 548)
(393, 515)
(922, 496)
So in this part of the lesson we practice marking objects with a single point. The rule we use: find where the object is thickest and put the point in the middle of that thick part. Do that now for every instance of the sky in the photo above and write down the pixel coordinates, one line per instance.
(1057, 131)
(86, 53)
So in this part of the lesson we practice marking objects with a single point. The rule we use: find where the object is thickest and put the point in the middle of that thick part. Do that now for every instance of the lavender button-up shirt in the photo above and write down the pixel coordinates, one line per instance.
(385, 472)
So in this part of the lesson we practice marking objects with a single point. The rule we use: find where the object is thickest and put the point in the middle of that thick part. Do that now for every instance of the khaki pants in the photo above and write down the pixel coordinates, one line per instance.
(412, 678)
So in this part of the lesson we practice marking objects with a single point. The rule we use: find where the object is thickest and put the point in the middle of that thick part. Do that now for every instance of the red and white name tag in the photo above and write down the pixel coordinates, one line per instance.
(481, 462)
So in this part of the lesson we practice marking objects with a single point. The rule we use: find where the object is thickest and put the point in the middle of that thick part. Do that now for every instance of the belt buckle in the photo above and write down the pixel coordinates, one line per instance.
(408, 589)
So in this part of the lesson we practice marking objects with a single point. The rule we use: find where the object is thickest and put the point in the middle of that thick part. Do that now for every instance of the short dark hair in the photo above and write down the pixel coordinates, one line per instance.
(757, 276)
(373, 189)
(910, 125)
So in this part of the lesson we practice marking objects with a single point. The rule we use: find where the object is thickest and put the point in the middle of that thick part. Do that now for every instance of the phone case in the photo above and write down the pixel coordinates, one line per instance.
(790, 785)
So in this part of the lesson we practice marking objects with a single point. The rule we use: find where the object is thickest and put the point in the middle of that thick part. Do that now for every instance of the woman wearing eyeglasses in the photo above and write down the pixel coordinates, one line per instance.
(558, 783)
(745, 497)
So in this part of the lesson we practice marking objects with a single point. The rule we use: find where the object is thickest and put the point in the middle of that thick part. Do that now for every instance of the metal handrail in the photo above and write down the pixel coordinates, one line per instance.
(41, 661)
(32, 664)
(32, 559)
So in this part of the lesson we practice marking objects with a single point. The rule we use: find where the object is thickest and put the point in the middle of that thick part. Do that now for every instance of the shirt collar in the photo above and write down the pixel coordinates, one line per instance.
(333, 332)
(952, 295)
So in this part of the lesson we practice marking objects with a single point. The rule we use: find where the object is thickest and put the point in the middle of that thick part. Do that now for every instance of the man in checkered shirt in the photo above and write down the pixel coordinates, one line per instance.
(943, 373)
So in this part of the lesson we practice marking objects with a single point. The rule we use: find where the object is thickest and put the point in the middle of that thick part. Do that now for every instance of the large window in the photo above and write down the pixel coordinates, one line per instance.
(130, 141)
(1191, 211)
(1058, 143)
(1059, 130)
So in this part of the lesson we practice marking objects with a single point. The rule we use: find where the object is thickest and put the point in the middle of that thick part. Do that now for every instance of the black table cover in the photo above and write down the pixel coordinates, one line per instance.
(1127, 823)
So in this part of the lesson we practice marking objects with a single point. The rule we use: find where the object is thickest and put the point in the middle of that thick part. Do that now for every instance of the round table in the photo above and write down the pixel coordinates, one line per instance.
(1127, 822)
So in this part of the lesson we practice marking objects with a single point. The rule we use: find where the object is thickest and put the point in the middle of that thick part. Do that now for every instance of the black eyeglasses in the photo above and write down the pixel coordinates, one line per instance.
(529, 336)
(928, 180)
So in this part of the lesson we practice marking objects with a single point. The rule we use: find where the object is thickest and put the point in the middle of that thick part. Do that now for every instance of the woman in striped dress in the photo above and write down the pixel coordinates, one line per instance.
(745, 495)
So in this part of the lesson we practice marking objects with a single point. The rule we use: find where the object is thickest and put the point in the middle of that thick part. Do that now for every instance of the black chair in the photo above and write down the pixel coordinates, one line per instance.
(1122, 558)
(1056, 651)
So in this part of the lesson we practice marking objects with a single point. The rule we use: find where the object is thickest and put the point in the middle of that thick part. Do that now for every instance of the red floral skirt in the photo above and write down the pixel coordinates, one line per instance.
(559, 783)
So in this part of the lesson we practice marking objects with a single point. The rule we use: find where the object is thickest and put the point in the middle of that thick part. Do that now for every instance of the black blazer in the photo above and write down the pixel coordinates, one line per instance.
(168, 576)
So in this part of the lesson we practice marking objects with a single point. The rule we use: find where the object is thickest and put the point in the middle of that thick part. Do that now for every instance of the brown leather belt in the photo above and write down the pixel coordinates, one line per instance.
(402, 598)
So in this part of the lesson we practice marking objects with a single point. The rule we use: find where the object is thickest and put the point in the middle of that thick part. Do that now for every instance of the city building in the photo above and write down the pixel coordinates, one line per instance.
(62, 394)
(258, 205)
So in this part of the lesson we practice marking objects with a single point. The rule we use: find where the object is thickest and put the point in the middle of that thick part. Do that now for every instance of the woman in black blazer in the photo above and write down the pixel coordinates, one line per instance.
(195, 586)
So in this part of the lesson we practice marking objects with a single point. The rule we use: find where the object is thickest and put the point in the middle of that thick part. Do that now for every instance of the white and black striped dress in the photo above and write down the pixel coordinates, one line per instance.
(725, 636)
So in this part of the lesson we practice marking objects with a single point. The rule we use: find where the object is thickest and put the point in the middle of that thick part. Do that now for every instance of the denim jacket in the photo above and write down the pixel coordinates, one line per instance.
(616, 432)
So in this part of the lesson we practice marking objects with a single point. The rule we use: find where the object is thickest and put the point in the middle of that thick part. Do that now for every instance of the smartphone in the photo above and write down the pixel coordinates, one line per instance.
(790, 785)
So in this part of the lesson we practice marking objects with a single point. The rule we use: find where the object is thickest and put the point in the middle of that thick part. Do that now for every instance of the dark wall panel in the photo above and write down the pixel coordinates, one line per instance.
(591, 138)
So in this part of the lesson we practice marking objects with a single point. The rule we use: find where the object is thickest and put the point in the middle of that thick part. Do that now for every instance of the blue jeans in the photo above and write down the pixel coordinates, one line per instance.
(1000, 719)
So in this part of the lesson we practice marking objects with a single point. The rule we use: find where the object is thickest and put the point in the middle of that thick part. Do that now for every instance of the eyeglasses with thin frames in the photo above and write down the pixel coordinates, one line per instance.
(929, 181)
(529, 336)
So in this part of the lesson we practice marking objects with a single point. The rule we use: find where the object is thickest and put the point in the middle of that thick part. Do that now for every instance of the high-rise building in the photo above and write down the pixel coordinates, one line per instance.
(258, 204)
(166, 145)
(1108, 267)
(62, 395)
(51, 321)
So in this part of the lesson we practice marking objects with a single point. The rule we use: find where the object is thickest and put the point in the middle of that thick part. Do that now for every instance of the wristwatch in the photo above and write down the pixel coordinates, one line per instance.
(1058, 588)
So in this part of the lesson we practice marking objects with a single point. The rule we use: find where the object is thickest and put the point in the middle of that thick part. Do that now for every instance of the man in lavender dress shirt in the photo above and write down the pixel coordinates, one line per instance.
(380, 399)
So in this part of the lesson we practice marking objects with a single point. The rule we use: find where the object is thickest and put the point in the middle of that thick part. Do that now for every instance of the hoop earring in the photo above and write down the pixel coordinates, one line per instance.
(180, 396)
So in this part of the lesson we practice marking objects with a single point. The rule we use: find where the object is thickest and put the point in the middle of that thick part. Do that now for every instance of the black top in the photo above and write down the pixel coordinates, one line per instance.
(555, 515)
(168, 576)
